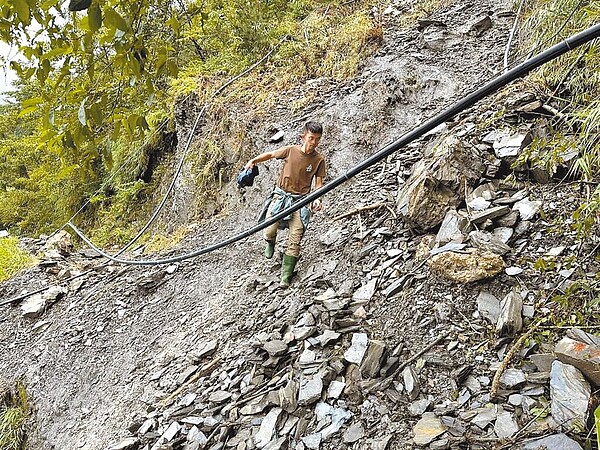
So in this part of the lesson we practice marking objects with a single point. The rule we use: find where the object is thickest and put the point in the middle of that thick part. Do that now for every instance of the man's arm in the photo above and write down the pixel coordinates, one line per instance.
(317, 205)
(260, 158)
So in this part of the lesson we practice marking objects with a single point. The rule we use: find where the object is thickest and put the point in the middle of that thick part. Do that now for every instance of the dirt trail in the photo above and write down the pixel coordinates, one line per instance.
(90, 369)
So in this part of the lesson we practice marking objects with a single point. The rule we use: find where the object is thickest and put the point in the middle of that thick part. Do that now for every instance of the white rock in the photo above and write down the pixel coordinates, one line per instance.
(527, 209)
(267, 428)
(358, 348)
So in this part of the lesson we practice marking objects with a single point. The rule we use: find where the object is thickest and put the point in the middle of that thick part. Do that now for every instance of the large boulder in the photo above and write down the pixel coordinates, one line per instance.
(473, 265)
(438, 182)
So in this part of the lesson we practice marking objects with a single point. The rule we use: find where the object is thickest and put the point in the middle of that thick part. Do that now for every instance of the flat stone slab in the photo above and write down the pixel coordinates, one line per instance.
(428, 428)
(275, 348)
(570, 395)
(310, 390)
(358, 348)
(581, 355)
(556, 441)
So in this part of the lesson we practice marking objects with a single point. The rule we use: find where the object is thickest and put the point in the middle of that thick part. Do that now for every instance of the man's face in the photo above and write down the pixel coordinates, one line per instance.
(311, 140)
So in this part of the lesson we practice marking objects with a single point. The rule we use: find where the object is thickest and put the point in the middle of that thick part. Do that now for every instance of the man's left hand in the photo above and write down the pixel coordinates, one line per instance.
(317, 205)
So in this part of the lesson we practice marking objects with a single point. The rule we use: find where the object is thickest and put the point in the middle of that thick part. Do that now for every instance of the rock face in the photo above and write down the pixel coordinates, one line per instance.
(467, 267)
(438, 182)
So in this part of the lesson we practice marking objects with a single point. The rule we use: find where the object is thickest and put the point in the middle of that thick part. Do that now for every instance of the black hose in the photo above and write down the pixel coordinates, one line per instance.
(490, 87)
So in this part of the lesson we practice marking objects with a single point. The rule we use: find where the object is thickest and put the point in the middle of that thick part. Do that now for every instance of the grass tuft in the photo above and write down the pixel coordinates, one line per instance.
(13, 259)
(13, 416)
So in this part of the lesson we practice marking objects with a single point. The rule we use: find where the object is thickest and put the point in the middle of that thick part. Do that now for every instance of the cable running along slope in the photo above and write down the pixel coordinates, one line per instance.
(468, 101)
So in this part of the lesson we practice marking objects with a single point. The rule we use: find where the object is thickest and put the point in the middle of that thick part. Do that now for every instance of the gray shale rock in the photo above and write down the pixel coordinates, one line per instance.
(487, 241)
(438, 182)
(510, 321)
(581, 355)
(570, 395)
(428, 428)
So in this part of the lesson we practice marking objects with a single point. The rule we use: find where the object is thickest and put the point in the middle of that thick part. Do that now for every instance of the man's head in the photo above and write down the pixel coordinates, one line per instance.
(311, 136)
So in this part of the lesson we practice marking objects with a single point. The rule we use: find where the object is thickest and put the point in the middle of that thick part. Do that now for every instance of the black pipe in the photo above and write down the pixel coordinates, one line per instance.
(490, 87)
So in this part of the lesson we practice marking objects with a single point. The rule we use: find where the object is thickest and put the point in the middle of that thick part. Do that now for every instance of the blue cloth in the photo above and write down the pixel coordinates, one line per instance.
(284, 201)
(246, 177)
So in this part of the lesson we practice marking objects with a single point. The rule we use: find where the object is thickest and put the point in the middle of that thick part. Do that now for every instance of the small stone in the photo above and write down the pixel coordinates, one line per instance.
(543, 361)
(288, 396)
(442, 444)
(277, 444)
(418, 407)
(171, 432)
(335, 389)
(505, 425)
(511, 146)
(358, 348)
(489, 242)
(411, 382)
(454, 227)
(33, 307)
(125, 444)
(328, 336)
(488, 306)
(508, 221)
(195, 435)
(484, 417)
(489, 214)
(312, 441)
(372, 361)
(204, 349)
(515, 399)
(510, 321)
(268, 426)
(310, 390)
(512, 271)
(219, 397)
(468, 267)
(512, 378)
(556, 441)
(277, 137)
(364, 293)
(527, 209)
(354, 433)
(275, 348)
(427, 429)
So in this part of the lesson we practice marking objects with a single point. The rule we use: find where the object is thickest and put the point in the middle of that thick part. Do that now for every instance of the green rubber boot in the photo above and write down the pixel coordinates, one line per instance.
(287, 270)
(269, 249)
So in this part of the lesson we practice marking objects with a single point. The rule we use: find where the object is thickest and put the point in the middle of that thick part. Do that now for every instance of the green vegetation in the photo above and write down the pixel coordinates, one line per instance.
(12, 257)
(13, 416)
(97, 88)
(571, 84)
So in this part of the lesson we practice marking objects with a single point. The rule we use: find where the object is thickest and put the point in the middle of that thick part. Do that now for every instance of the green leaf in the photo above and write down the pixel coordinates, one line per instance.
(79, 5)
(22, 10)
(94, 17)
(27, 110)
(81, 113)
(32, 101)
(114, 19)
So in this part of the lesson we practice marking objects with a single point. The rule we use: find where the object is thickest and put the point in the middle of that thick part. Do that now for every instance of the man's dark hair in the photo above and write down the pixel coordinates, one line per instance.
(313, 127)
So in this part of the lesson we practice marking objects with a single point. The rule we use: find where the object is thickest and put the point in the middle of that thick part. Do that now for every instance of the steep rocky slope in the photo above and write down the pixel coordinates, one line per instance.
(211, 350)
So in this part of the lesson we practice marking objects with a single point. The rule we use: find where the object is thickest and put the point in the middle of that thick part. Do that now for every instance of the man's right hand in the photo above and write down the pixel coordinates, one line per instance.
(249, 165)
